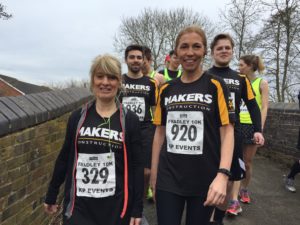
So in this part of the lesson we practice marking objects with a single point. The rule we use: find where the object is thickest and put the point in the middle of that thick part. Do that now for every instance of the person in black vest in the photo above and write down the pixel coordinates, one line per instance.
(239, 88)
(101, 160)
(295, 169)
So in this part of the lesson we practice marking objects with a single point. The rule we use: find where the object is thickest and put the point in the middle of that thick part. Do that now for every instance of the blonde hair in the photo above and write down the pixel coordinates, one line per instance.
(255, 62)
(105, 64)
(192, 29)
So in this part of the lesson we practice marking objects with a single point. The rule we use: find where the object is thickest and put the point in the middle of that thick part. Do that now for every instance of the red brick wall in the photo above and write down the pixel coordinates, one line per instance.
(6, 90)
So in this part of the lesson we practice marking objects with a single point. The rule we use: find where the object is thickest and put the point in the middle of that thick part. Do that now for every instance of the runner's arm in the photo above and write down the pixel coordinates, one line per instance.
(264, 90)
(61, 163)
(252, 106)
(217, 190)
(158, 140)
(137, 163)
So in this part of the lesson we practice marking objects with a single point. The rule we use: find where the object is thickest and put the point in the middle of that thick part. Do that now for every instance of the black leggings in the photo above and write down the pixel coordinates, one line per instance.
(170, 206)
(294, 170)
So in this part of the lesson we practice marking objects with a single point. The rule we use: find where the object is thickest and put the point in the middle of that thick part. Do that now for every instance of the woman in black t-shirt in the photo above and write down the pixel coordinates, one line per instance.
(101, 160)
(193, 142)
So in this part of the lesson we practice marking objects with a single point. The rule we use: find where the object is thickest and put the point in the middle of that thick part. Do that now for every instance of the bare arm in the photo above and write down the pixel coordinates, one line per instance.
(159, 137)
(217, 190)
(153, 110)
(227, 144)
(264, 90)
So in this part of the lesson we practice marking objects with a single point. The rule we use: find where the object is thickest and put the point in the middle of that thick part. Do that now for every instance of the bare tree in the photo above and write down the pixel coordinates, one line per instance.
(3, 14)
(280, 44)
(158, 29)
(59, 85)
(239, 16)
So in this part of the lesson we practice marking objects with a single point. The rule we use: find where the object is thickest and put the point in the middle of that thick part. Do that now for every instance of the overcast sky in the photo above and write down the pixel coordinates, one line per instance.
(56, 40)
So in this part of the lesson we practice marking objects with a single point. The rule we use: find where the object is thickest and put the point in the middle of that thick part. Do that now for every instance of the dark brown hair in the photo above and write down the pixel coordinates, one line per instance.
(220, 37)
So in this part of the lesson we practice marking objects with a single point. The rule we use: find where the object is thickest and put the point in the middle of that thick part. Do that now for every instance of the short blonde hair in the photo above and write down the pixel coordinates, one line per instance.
(105, 64)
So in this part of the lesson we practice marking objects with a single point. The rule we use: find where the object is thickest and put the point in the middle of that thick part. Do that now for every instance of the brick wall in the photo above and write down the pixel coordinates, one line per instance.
(28, 151)
(281, 133)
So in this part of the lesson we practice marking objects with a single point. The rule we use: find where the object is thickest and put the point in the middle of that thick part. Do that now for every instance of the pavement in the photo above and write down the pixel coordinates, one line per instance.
(271, 203)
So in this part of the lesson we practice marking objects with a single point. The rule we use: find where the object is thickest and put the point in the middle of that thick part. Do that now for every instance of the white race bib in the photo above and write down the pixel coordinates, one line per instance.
(96, 175)
(231, 99)
(136, 105)
(243, 107)
(184, 131)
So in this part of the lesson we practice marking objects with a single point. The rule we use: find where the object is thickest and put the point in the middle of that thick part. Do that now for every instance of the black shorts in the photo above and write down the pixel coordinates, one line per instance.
(247, 133)
(94, 211)
(237, 169)
(147, 133)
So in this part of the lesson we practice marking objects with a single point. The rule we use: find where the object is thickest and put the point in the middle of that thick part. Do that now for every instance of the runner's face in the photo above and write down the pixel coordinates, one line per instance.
(146, 66)
(105, 86)
(135, 61)
(190, 51)
(174, 61)
(244, 68)
(222, 53)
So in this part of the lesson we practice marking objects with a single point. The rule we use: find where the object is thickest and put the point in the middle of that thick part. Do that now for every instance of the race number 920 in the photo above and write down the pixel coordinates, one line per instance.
(184, 132)
(91, 176)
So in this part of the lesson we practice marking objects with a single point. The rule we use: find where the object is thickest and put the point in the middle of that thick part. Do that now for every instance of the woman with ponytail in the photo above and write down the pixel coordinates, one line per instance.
(249, 65)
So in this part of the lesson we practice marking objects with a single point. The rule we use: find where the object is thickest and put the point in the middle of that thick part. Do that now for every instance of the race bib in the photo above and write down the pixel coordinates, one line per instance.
(96, 175)
(136, 105)
(243, 107)
(184, 131)
(231, 99)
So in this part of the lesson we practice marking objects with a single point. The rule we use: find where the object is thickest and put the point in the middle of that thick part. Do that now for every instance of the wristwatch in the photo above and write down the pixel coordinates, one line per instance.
(224, 171)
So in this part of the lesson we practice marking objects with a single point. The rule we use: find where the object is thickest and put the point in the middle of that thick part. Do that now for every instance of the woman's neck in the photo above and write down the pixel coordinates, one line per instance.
(251, 76)
(106, 109)
(189, 77)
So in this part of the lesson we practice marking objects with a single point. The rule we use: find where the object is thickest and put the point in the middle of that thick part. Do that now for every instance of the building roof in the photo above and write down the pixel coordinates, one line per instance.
(24, 87)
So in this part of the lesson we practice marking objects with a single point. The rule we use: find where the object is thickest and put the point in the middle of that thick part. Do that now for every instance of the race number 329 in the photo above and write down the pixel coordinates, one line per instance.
(96, 175)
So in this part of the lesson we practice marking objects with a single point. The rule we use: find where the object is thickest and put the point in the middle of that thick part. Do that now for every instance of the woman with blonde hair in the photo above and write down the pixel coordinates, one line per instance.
(249, 65)
(100, 160)
(193, 141)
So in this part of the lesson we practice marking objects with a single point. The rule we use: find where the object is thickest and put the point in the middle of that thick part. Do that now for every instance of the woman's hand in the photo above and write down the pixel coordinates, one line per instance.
(51, 209)
(217, 190)
(153, 178)
(258, 139)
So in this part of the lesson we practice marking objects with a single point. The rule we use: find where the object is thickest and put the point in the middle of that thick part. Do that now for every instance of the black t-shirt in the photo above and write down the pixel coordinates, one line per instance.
(239, 87)
(192, 113)
(140, 94)
(100, 168)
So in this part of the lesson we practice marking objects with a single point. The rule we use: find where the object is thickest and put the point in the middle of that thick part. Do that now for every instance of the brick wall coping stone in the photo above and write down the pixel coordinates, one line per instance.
(286, 107)
(21, 112)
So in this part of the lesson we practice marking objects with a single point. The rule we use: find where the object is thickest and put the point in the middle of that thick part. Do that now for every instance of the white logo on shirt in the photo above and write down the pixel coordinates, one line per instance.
(196, 97)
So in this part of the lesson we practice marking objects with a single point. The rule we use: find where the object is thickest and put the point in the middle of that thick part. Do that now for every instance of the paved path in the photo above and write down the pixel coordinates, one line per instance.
(271, 203)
